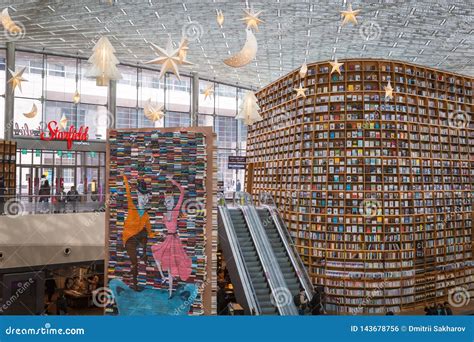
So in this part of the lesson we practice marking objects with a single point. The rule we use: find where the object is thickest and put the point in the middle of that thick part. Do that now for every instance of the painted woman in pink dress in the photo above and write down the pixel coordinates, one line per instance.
(170, 254)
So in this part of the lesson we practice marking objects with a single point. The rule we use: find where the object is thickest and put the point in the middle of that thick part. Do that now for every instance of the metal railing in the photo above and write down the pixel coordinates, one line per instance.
(50, 204)
(234, 244)
(266, 200)
(275, 277)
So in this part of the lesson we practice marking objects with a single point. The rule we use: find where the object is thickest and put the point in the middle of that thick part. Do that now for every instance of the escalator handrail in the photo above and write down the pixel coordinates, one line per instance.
(293, 254)
(273, 273)
(249, 291)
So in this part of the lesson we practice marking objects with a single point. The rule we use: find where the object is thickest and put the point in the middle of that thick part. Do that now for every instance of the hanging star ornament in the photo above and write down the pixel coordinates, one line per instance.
(208, 92)
(76, 98)
(169, 59)
(303, 70)
(63, 122)
(183, 49)
(17, 78)
(336, 66)
(153, 112)
(300, 92)
(251, 19)
(349, 16)
(388, 91)
(220, 18)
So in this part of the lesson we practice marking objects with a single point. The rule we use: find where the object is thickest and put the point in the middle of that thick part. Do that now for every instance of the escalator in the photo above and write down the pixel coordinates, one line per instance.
(253, 264)
(282, 256)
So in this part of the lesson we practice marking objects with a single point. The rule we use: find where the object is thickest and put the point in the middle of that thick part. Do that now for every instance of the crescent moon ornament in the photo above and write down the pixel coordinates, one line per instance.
(32, 113)
(247, 54)
(7, 22)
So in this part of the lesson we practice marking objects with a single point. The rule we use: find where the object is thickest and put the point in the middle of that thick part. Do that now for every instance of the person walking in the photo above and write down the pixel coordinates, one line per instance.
(73, 197)
(301, 302)
(44, 194)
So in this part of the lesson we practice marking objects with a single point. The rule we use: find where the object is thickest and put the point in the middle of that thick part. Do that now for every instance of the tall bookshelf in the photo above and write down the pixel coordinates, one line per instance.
(376, 192)
(8, 167)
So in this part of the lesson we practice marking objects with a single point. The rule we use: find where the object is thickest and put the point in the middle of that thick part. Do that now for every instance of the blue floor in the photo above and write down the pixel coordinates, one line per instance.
(151, 301)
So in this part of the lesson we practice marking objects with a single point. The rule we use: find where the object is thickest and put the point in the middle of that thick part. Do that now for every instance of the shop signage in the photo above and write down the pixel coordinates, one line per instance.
(25, 131)
(72, 135)
(236, 163)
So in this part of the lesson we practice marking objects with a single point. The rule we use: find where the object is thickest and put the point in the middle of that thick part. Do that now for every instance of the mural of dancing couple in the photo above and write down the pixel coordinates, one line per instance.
(156, 247)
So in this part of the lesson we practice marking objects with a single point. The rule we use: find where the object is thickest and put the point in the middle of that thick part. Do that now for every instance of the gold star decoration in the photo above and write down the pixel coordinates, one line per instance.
(388, 91)
(349, 15)
(76, 98)
(336, 66)
(251, 19)
(208, 92)
(300, 92)
(220, 17)
(169, 58)
(17, 78)
(153, 112)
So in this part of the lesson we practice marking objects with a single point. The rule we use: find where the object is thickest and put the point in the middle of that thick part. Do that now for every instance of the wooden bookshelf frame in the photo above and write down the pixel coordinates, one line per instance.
(330, 157)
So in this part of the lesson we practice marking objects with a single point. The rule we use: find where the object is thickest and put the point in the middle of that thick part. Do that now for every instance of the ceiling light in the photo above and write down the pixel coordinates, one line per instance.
(443, 22)
(184, 6)
(87, 9)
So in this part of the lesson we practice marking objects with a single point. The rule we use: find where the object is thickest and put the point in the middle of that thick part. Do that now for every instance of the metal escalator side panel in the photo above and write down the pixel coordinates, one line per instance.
(295, 258)
(244, 290)
(274, 275)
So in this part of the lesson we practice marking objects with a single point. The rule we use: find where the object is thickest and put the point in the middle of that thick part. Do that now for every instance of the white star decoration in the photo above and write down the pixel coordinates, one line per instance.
(300, 92)
(388, 91)
(208, 92)
(170, 58)
(153, 112)
(17, 78)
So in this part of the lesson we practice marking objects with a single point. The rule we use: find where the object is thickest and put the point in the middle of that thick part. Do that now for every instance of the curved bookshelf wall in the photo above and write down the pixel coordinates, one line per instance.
(376, 192)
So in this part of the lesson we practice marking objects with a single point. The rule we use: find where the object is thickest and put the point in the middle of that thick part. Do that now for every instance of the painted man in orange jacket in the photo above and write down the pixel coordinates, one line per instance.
(137, 228)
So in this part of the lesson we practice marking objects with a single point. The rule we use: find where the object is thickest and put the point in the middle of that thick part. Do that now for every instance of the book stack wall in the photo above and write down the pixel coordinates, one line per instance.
(376, 192)
(153, 156)
(8, 168)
